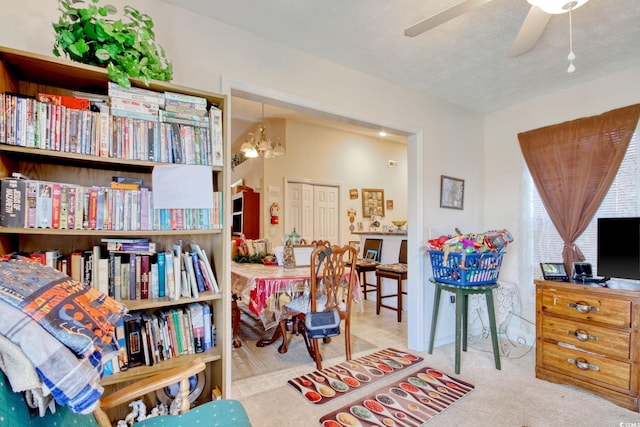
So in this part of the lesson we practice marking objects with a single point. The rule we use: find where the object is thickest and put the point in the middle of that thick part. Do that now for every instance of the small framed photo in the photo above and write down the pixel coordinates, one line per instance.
(389, 205)
(372, 202)
(353, 193)
(302, 255)
(451, 192)
(371, 254)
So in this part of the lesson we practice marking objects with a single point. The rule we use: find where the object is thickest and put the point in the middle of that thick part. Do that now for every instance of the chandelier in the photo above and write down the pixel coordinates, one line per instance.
(253, 147)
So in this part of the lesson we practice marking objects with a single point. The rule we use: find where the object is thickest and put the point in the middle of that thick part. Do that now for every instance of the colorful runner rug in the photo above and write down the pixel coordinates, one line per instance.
(327, 384)
(409, 402)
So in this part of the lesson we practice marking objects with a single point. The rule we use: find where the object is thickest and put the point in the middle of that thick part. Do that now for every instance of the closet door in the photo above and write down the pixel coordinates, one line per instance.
(326, 211)
(313, 210)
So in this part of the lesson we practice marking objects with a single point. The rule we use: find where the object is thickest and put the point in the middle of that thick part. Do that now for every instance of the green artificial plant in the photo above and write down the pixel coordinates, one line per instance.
(126, 46)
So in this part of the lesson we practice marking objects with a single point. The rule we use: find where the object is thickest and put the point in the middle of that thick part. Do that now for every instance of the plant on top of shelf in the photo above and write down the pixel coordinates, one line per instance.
(126, 46)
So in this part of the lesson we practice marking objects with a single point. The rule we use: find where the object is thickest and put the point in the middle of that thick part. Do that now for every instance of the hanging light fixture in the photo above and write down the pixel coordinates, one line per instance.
(253, 148)
(556, 7)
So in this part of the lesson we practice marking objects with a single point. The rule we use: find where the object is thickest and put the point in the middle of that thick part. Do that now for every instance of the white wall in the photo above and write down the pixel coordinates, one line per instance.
(334, 156)
(505, 168)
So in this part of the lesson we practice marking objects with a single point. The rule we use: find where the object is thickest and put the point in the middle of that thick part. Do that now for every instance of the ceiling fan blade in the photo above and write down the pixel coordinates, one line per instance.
(531, 30)
(442, 17)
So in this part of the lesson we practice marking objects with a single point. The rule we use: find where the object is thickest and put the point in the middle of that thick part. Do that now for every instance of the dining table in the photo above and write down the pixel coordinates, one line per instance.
(265, 290)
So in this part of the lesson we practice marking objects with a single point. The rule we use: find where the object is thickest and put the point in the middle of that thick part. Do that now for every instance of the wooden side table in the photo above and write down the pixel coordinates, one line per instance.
(462, 303)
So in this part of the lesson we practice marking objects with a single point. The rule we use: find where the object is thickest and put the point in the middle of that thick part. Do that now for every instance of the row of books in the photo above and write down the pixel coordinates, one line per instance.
(131, 269)
(122, 133)
(26, 203)
(150, 338)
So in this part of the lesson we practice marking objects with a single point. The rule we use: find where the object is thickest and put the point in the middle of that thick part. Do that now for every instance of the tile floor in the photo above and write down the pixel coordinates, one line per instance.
(384, 330)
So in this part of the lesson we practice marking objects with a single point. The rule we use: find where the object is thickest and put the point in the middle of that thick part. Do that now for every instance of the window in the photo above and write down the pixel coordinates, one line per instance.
(621, 200)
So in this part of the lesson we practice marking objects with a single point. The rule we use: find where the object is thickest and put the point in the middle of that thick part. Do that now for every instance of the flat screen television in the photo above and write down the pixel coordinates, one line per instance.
(619, 248)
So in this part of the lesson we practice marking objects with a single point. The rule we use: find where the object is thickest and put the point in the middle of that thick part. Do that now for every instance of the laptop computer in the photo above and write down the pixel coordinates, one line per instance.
(554, 271)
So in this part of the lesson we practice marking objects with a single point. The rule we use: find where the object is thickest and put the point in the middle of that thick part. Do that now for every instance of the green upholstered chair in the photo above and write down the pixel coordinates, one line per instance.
(14, 411)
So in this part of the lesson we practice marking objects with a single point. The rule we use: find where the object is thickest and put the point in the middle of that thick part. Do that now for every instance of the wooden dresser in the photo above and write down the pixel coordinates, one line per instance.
(587, 337)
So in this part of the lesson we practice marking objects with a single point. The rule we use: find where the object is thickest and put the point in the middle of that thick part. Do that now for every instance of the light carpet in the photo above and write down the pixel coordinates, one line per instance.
(250, 360)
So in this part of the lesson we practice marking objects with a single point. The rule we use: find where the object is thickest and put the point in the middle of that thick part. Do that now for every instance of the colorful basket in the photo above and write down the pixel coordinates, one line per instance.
(464, 269)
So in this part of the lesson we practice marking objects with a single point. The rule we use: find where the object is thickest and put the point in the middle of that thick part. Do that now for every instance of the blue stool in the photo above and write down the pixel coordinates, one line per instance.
(462, 303)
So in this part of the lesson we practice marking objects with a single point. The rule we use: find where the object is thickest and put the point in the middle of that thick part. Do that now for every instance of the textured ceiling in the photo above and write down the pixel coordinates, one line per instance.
(462, 61)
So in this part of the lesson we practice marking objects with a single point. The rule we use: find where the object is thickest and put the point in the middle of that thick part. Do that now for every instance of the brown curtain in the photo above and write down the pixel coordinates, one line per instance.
(573, 165)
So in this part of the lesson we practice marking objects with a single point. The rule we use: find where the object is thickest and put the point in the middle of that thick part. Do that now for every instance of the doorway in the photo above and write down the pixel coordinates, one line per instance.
(420, 304)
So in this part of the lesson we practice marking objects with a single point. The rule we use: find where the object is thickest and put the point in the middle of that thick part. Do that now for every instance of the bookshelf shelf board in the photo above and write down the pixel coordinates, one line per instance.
(146, 304)
(140, 372)
(104, 233)
(82, 159)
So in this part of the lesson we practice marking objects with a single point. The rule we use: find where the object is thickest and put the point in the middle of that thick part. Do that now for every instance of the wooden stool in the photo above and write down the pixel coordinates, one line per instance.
(397, 272)
(462, 303)
(371, 256)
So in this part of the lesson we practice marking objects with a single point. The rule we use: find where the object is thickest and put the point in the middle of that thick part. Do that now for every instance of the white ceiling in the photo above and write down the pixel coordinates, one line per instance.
(462, 61)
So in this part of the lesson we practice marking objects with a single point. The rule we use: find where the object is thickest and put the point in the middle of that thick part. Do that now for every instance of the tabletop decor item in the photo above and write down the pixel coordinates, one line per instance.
(125, 46)
(411, 401)
(326, 384)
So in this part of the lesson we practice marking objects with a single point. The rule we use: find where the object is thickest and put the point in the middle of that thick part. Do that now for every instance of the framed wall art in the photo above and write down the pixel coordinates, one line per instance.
(451, 192)
(372, 202)
(353, 193)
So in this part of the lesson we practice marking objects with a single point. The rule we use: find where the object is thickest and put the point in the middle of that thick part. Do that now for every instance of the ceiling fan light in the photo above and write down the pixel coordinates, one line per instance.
(556, 7)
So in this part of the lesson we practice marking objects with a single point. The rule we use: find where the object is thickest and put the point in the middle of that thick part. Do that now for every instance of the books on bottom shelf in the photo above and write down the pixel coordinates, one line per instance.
(150, 338)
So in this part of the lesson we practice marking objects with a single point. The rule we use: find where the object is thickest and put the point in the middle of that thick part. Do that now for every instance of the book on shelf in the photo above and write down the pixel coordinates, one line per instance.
(44, 205)
(190, 100)
(52, 256)
(55, 205)
(208, 325)
(39, 256)
(209, 271)
(13, 192)
(215, 115)
(190, 274)
(145, 272)
(65, 100)
(133, 334)
(197, 319)
(135, 93)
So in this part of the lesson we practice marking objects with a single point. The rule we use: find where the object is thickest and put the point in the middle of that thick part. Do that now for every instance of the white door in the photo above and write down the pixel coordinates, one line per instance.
(313, 210)
(325, 203)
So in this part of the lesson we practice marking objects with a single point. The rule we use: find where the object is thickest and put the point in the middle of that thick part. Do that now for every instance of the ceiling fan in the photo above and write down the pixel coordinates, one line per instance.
(530, 31)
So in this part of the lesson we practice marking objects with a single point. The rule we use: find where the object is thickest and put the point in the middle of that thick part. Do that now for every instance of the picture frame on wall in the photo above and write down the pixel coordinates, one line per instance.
(451, 192)
(372, 202)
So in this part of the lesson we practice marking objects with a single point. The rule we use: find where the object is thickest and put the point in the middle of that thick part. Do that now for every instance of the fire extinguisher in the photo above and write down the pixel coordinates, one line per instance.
(274, 209)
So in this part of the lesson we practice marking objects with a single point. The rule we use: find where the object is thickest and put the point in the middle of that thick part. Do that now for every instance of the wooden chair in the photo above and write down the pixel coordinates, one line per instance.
(14, 410)
(332, 285)
(369, 263)
(397, 272)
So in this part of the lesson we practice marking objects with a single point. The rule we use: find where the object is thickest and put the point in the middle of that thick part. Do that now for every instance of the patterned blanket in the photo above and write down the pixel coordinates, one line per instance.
(71, 381)
(80, 317)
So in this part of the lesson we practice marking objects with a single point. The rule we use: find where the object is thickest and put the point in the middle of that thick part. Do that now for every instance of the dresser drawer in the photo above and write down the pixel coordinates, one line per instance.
(597, 339)
(589, 366)
(579, 305)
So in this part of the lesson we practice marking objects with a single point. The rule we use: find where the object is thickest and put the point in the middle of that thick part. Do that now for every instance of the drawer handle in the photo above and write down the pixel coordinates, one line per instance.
(582, 335)
(582, 364)
(583, 307)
